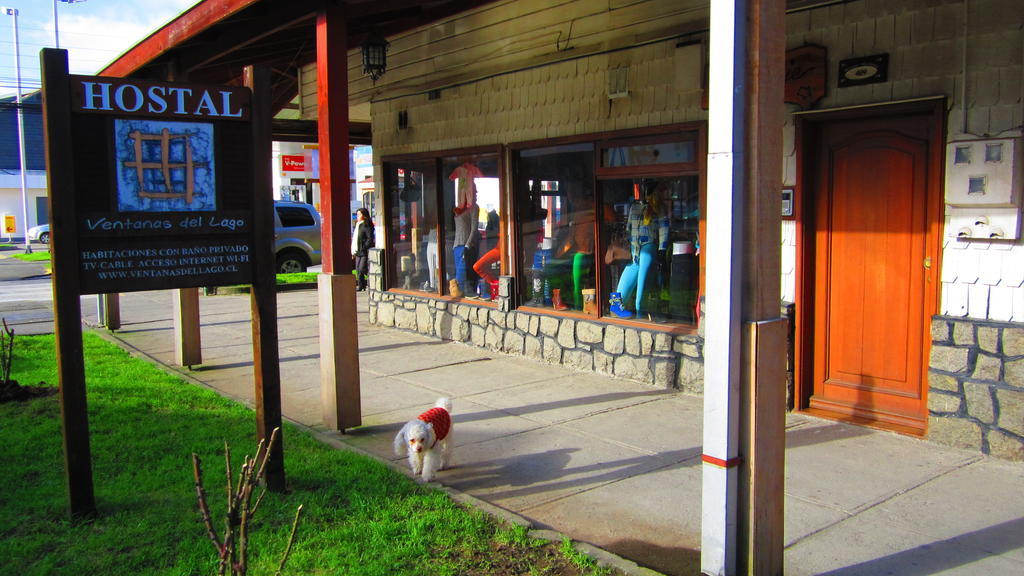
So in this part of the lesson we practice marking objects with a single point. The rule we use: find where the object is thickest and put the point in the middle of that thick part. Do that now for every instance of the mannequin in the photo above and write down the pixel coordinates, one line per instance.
(430, 256)
(576, 253)
(467, 215)
(648, 228)
(571, 267)
(483, 266)
(430, 284)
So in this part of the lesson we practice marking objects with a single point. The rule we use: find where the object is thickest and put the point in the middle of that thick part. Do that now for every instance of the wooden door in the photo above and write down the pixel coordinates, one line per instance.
(873, 282)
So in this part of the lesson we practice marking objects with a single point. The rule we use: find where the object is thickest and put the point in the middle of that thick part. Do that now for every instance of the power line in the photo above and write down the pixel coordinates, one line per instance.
(70, 33)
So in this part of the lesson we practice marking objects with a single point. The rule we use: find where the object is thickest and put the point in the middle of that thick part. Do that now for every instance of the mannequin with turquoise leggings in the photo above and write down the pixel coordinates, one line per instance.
(634, 277)
(643, 223)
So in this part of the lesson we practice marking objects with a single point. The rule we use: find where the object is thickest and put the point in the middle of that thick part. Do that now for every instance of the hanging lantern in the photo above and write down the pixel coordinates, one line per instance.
(375, 55)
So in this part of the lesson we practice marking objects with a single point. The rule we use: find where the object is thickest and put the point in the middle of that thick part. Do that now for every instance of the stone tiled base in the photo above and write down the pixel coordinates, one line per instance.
(976, 386)
(651, 357)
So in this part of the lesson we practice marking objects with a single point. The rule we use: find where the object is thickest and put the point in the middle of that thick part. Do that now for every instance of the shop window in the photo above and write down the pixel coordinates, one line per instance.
(412, 234)
(554, 195)
(648, 154)
(651, 268)
(614, 239)
(472, 213)
(444, 224)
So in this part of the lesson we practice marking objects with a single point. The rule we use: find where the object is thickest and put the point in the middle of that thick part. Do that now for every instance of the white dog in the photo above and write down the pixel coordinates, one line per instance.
(427, 440)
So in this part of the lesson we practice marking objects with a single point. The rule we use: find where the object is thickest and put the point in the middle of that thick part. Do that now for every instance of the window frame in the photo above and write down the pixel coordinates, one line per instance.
(601, 142)
(648, 170)
(389, 270)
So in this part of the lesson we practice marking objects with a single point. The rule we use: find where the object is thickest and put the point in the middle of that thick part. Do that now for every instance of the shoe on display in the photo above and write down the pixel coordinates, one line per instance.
(454, 290)
(556, 300)
(615, 304)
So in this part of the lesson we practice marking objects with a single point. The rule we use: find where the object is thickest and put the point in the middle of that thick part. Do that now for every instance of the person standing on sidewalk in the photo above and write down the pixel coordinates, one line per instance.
(362, 241)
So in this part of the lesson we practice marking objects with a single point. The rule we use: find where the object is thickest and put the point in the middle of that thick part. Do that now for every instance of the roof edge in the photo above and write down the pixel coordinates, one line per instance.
(186, 26)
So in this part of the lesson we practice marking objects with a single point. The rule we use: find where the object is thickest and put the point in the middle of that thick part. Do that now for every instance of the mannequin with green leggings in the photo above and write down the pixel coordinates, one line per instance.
(575, 255)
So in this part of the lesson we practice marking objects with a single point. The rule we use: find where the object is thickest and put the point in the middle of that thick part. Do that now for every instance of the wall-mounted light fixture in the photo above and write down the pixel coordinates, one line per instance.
(375, 55)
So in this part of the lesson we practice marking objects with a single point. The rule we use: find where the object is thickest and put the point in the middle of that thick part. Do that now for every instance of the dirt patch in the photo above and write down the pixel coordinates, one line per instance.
(541, 560)
(11, 391)
(671, 561)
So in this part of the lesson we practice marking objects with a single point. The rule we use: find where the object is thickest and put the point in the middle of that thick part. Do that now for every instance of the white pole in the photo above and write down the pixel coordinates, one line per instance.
(21, 130)
(56, 36)
(726, 132)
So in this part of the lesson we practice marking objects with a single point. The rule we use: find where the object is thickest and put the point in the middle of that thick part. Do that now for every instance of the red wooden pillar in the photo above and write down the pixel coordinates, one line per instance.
(332, 110)
(339, 346)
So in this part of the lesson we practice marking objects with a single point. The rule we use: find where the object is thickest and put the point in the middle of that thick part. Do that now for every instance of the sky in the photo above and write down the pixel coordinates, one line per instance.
(94, 32)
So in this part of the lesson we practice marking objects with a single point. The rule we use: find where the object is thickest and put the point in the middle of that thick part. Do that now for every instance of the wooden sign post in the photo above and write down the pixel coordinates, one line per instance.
(155, 185)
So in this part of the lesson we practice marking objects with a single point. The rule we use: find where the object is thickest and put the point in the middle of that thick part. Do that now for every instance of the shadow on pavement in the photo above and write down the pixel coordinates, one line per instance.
(943, 555)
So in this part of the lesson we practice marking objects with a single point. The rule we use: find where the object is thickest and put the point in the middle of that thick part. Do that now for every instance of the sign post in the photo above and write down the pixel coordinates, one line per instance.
(153, 185)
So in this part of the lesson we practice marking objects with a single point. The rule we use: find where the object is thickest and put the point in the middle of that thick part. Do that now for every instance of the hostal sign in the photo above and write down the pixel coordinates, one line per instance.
(163, 184)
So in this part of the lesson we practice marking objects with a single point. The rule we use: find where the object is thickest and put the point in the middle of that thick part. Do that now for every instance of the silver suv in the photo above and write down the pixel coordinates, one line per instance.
(296, 236)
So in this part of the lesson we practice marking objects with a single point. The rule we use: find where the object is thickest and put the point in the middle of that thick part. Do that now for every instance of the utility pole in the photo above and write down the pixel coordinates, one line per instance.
(13, 12)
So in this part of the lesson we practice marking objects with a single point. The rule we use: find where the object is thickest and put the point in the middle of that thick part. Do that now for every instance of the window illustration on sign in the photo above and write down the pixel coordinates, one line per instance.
(164, 166)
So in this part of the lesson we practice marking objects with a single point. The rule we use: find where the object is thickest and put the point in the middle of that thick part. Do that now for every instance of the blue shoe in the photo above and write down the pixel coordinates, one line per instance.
(615, 302)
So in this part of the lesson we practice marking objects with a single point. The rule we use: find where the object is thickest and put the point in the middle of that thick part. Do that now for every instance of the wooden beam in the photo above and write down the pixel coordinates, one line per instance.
(339, 352)
(332, 109)
(266, 357)
(108, 311)
(194, 21)
(188, 347)
(67, 308)
(257, 31)
(339, 346)
(307, 131)
(763, 384)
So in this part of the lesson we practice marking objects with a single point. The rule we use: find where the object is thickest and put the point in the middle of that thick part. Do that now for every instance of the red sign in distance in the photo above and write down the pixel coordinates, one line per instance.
(293, 163)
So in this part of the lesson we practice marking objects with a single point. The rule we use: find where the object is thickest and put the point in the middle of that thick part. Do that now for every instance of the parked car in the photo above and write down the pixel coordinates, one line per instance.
(39, 233)
(296, 236)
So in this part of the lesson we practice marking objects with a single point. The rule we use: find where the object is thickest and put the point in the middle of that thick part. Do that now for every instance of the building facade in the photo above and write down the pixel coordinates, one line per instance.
(541, 171)
(10, 165)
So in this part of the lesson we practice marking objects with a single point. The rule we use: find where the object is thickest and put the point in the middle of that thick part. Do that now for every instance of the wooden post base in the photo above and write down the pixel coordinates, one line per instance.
(188, 348)
(339, 351)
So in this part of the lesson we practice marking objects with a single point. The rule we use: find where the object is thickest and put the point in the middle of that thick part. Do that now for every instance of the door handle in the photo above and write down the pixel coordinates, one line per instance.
(928, 263)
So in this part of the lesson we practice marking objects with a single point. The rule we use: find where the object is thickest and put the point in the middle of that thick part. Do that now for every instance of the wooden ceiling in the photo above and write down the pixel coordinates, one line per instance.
(213, 41)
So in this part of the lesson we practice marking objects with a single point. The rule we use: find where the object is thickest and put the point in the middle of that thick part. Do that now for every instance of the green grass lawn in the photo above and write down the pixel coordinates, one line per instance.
(297, 278)
(359, 516)
(37, 256)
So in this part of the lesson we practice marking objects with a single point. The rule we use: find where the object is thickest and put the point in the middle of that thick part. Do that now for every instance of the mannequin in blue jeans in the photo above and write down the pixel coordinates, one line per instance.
(464, 249)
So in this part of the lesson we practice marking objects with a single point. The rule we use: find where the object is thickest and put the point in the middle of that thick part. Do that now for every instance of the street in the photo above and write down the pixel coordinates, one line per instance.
(26, 295)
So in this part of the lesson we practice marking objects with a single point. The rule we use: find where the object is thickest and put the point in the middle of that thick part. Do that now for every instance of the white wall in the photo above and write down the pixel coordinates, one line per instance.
(10, 198)
(925, 42)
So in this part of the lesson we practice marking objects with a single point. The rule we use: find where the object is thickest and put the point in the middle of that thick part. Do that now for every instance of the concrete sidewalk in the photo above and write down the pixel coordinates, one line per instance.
(615, 463)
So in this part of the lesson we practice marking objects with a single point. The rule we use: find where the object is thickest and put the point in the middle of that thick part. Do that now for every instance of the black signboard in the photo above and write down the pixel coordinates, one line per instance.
(156, 185)
(163, 184)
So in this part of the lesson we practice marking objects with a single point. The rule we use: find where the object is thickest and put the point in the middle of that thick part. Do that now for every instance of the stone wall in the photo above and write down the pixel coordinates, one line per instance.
(976, 386)
(649, 356)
